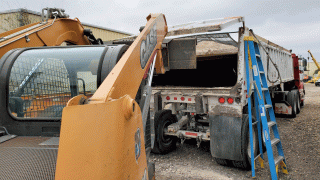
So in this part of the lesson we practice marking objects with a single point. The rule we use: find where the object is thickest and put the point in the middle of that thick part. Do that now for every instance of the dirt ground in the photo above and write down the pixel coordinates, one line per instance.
(300, 139)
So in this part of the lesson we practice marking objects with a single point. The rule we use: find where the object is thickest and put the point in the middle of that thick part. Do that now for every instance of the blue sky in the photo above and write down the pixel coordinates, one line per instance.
(292, 24)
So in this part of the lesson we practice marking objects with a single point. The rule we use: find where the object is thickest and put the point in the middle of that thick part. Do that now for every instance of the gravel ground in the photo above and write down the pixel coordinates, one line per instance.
(300, 139)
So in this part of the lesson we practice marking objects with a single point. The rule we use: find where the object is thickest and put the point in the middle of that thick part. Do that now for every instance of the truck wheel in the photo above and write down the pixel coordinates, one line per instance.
(291, 98)
(163, 143)
(223, 162)
(245, 144)
(298, 102)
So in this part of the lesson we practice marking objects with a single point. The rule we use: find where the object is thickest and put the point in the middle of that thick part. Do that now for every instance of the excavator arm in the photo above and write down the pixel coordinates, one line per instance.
(314, 60)
(313, 80)
(52, 31)
(102, 137)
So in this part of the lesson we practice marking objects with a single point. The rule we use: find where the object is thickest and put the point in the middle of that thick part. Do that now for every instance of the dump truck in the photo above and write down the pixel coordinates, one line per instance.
(205, 98)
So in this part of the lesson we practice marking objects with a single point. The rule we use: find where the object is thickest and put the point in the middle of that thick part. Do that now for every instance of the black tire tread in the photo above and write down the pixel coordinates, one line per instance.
(292, 101)
(223, 162)
(158, 118)
(245, 163)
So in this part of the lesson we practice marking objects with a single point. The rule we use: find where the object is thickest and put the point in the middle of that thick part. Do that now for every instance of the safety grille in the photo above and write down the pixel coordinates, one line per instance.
(38, 87)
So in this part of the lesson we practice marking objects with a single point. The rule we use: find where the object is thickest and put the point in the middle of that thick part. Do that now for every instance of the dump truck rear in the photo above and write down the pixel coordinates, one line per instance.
(205, 97)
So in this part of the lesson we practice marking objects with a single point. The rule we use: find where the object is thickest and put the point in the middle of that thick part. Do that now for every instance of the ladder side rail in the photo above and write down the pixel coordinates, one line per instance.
(249, 108)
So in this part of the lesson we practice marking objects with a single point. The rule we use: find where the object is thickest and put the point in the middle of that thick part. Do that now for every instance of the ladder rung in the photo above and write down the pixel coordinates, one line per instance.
(271, 123)
(267, 106)
(275, 141)
(261, 72)
(257, 55)
(278, 160)
(254, 123)
(264, 89)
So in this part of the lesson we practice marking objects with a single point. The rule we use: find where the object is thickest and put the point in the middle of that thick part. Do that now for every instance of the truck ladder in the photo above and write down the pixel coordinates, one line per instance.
(262, 95)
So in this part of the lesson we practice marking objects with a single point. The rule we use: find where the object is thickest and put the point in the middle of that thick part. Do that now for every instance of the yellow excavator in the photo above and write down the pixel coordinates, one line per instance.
(317, 77)
(101, 132)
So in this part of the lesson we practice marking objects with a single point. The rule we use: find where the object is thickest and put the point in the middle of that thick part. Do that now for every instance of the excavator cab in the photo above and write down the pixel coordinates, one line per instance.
(37, 84)
(43, 80)
(40, 82)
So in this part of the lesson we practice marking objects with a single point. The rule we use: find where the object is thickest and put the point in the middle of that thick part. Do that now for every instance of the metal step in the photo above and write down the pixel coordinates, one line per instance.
(268, 106)
(261, 72)
(278, 160)
(264, 89)
(271, 123)
(7, 137)
(254, 123)
(275, 141)
(258, 55)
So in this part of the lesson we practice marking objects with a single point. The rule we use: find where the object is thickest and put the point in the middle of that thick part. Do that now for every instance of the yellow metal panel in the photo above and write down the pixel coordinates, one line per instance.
(105, 142)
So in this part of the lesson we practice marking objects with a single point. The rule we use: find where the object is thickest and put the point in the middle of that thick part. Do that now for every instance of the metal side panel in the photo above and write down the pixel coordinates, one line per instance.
(24, 158)
(182, 53)
(225, 137)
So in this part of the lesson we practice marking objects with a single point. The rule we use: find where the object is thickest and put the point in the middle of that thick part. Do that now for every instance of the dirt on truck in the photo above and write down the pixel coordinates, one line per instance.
(205, 98)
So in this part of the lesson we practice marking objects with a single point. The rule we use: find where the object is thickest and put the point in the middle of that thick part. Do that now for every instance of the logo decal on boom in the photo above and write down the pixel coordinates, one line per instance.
(137, 145)
(148, 45)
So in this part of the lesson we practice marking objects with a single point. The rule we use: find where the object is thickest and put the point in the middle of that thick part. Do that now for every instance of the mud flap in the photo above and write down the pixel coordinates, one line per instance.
(225, 137)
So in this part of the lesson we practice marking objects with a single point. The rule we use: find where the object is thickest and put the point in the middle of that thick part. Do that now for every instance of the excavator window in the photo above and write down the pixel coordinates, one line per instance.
(42, 81)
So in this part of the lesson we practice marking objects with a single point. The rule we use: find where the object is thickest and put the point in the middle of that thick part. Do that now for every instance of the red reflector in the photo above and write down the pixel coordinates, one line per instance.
(182, 98)
(189, 99)
(247, 96)
(191, 134)
(175, 98)
(192, 114)
(221, 100)
(230, 100)
(168, 98)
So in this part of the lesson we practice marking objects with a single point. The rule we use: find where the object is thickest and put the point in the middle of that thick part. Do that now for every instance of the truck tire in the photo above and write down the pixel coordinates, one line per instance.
(223, 162)
(245, 144)
(291, 98)
(298, 102)
(302, 103)
(163, 144)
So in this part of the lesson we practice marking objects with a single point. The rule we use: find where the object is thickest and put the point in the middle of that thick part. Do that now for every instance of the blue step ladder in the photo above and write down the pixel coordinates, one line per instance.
(258, 84)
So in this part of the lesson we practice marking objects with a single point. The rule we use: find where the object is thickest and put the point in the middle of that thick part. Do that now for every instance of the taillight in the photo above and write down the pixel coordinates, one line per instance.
(221, 100)
(168, 98)
(230, 100)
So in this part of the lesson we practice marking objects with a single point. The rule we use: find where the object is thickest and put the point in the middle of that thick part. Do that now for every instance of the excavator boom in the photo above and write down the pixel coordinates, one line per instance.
(102, 137)
(49, 32)
(314, 60)
(313, 80)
